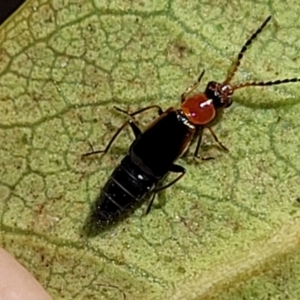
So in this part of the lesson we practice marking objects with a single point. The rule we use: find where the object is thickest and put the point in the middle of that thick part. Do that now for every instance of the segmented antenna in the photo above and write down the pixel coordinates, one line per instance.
(244, 48)
(200, 76)
(262, 83)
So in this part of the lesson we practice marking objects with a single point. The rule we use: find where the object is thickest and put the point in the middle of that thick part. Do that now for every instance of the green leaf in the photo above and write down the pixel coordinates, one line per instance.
(229, 229)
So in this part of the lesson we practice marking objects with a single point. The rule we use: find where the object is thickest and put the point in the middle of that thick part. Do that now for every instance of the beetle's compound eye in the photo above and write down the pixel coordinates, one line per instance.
(199, 109)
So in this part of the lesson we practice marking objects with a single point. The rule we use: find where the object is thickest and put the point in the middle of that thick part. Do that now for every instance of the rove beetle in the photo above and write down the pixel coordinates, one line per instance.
(153, 153)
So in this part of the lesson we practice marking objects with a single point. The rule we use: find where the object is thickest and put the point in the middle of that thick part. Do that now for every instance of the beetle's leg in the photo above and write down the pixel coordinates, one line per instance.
(217, 140)
(175, 169)
(150, 203)
(196, 153)
(110, 142)
(136, 131)
(133, 126)
(160, 111)
(191, 88)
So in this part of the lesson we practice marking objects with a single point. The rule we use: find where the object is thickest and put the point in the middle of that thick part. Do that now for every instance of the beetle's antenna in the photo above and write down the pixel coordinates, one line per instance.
(244, 48)
(265, 83)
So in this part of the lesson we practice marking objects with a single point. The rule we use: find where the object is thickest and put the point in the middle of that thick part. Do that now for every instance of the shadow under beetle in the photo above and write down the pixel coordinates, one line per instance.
(153, 153)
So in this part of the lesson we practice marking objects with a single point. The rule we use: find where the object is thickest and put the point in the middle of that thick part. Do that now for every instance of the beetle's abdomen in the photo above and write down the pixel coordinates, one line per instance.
(126, 189)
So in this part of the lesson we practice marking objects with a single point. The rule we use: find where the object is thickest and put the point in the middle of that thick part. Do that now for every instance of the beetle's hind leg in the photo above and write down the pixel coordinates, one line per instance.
(150, 203)
(175, 169)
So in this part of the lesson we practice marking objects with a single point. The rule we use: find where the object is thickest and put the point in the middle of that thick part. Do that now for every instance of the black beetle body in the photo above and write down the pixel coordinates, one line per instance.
(151, 157)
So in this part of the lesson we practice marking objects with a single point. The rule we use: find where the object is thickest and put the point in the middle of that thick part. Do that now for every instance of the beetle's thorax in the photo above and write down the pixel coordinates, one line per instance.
(202, 109)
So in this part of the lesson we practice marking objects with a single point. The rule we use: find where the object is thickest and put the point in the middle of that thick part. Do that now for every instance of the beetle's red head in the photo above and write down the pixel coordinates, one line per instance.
(219, 93)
